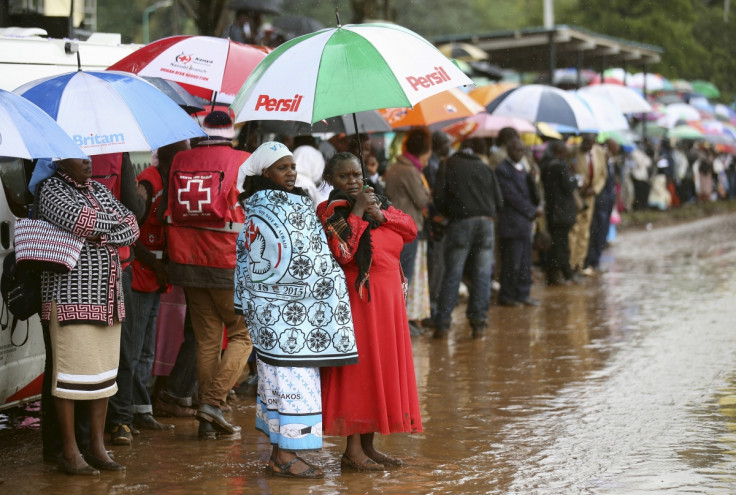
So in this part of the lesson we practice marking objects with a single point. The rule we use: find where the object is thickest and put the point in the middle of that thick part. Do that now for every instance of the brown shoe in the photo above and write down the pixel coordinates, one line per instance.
(162, 408)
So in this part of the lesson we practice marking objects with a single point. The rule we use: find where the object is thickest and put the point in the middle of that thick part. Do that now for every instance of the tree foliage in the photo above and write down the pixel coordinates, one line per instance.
(695, 38)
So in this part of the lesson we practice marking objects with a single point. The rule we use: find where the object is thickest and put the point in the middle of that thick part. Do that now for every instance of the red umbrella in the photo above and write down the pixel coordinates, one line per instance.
(212, 68)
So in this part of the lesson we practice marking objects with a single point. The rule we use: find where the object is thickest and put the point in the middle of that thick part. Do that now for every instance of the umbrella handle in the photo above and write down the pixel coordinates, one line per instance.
(360, 145)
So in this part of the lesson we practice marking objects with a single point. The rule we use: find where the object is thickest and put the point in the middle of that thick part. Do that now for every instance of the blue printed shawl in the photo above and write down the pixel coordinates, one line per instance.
(289, 287)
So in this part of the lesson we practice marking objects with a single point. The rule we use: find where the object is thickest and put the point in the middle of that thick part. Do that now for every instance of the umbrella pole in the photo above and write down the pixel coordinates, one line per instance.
(214, 99)
(360, 146)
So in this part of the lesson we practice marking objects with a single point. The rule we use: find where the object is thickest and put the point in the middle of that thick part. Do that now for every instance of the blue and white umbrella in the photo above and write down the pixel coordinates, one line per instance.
(540, 103)
(111, 112)
(28, 132)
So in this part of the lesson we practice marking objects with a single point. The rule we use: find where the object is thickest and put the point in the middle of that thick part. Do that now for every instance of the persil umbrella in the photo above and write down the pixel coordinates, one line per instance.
(344, 70)
(28, 132)
(111, 112)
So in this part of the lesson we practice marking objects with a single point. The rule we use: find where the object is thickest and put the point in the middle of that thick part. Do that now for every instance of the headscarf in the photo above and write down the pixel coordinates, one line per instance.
(263, 157)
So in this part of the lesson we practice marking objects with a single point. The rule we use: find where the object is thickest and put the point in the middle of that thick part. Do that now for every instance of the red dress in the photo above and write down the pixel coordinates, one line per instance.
(379, 394)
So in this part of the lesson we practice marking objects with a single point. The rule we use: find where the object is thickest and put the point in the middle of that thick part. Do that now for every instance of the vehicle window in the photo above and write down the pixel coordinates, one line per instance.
(15, 174)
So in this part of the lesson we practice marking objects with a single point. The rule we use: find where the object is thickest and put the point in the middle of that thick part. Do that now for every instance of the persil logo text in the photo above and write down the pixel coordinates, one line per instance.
(278, 104)
(437, 77)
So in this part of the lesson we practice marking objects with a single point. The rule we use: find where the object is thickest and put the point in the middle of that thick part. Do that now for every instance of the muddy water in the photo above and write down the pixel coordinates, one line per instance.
(623, 384)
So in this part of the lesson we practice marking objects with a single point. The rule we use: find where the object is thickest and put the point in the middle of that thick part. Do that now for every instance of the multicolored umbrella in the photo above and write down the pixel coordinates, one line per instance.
(435, 112)
(343, 70)
(540, 103)
(208, 67)
(111, 112)
(652, 82)
(28, 132)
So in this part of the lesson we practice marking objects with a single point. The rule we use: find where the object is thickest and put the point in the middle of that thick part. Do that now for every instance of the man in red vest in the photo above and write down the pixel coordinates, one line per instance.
(203, 222)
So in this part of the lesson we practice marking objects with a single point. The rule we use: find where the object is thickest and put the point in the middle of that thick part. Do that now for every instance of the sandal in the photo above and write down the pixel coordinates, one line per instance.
(386, 460)
(284, 470)
(367, 465)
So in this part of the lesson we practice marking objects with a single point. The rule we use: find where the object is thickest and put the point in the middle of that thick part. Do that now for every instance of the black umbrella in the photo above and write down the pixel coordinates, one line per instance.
(262, 6)
(292, 26)
(171, 89)
(368, 121)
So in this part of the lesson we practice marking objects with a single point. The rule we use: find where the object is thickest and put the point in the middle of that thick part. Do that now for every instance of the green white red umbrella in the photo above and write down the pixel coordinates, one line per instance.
(343, 70)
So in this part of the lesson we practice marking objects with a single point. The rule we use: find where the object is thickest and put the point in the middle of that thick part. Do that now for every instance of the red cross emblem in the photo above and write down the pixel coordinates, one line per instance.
(194, 195)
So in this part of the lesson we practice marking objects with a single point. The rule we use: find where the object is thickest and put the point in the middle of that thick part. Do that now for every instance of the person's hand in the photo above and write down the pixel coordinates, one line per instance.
(374, 212)
(365, 198)
(539, 212)
(93, 238)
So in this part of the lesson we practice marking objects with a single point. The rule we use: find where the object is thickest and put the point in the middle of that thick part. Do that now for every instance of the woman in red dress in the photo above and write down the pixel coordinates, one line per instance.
(379, 394)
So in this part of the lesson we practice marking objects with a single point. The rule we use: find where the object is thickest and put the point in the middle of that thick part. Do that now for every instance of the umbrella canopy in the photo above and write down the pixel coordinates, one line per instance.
(463, 51)
(488, 125)
(368, 121)
(677, 112)
(486, 94)
(28, 132)
(607, 115)
(208, 67)
(435, 112)
(682, 86)
(292, 26)
(626, 99)
(685, 132)
(654, 82)
(706, 88)
(174, 91)
(539, 103)
(111, 112)
(342, 70)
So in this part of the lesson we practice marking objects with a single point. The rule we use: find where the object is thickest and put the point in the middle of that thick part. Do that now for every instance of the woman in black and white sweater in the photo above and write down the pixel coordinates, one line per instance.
(84, 308)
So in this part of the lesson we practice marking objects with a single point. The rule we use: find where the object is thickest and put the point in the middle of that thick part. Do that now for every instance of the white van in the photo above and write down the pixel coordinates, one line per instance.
(25, 55)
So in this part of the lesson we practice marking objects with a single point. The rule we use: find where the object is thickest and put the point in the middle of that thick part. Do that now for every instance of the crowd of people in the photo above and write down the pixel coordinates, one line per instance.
(306, 266)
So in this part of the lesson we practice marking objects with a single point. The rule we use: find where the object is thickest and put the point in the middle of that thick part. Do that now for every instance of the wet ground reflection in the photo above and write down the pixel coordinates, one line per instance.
(623, 384)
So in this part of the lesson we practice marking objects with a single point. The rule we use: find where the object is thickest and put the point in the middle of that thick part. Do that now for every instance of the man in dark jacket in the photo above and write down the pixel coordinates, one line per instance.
(468, 195)
(559, 189)
(515, 229)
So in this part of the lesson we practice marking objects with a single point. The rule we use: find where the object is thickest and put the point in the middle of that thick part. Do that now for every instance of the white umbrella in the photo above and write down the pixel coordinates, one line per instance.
(607, 116)
(626, 99)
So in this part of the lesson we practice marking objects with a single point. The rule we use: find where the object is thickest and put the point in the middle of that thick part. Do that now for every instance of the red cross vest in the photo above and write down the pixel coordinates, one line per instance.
(106, 170)
(203, 215)
(152, 234)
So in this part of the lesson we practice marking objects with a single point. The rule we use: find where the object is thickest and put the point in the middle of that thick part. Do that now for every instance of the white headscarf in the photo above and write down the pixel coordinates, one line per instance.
(263, 157)
(309, 163)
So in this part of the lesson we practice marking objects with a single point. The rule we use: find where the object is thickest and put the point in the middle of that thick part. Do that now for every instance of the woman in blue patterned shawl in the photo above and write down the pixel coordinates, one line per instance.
(295, 301)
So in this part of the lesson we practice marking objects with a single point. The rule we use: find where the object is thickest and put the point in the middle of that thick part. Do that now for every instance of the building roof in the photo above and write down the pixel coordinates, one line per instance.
(528, 49)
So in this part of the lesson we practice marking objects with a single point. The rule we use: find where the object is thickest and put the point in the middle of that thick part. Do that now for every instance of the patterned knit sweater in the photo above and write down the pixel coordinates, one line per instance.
(91, 293)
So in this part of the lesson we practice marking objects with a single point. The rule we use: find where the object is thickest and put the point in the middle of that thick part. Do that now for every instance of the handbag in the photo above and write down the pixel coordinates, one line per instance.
(42, 246)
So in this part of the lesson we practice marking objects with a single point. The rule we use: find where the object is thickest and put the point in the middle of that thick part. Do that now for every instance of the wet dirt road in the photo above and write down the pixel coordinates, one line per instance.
(625, 384)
